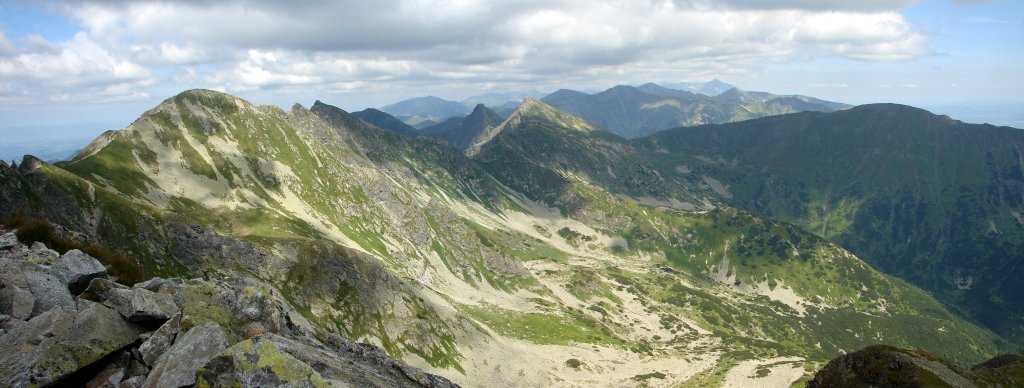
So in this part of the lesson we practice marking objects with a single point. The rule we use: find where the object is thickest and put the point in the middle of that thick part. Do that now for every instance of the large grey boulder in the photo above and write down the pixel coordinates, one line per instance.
(160, 341)
(193, 349)
(77, 268)
(138, 305)
(16, 302)
(32, 288)
(258, 362)
(8, 240)
(60, 341)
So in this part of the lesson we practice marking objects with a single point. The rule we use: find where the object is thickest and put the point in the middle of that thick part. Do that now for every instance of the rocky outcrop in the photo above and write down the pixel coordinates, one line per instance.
(887, 366)
(64, 322)
(191, 351)
(77, 269)
(259, 362)
(138, 305)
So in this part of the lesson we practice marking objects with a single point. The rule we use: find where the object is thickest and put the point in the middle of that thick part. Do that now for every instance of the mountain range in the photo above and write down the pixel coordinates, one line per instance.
(628, 111)
(542, 249)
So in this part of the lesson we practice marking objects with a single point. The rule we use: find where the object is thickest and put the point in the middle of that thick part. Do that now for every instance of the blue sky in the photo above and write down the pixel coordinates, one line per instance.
(86, 66)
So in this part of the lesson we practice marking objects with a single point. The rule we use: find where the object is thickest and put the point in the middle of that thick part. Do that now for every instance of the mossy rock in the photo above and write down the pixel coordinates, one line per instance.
(257, 362)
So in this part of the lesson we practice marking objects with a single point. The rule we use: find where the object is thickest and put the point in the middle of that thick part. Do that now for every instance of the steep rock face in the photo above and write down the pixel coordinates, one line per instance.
(932, 200)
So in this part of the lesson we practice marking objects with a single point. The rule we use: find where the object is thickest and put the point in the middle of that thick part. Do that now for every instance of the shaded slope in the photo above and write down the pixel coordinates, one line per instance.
(383, 120)
(932, 200)
(535, 149)
(463, 132)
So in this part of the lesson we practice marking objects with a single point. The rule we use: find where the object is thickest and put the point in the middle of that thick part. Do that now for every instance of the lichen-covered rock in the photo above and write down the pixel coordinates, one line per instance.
(257, 362)
(193, 349)
(138, 305)
(344, 363)
(160, 341)
(256, 312)
(61, 341)
(77, 268)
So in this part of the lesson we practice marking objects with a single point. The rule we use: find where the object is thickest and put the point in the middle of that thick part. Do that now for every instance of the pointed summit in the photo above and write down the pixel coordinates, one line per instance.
(461, 132)
(535, 110)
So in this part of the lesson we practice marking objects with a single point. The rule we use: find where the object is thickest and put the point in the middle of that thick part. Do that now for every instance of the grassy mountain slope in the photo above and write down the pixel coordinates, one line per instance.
(926, 198)
(634, 112)
(469, 266)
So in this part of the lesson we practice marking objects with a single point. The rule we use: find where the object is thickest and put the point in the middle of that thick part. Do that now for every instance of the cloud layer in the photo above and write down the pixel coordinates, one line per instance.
(126, 47)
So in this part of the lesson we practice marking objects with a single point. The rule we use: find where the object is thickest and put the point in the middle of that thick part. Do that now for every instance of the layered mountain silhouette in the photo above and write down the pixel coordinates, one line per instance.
(541, 249)
(640, 111)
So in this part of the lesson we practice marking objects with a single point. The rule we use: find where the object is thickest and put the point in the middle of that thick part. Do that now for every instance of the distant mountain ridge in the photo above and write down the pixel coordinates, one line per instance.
(429, 106)
(634, 112)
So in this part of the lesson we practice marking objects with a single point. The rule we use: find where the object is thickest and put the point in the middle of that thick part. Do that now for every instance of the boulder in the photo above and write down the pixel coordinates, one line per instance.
(8, 240)
(177, 367)
(60, 341)
(77, 269)
(16, 302)
(138, 305)
(98, 290)
(154, 284)
(160, 341)
(257, 362)
(30, 287)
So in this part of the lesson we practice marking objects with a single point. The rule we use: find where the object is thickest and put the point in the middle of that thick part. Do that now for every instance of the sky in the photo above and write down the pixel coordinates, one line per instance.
(82, 66)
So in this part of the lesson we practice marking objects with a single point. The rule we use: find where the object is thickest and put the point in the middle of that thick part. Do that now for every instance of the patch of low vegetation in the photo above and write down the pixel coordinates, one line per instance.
(30, 230)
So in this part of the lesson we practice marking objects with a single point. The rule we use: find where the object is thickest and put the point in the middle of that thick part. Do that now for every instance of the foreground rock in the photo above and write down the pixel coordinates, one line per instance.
(77, 269)
(192, 350)
(886, 366)
(57, 343)
(63, 322)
